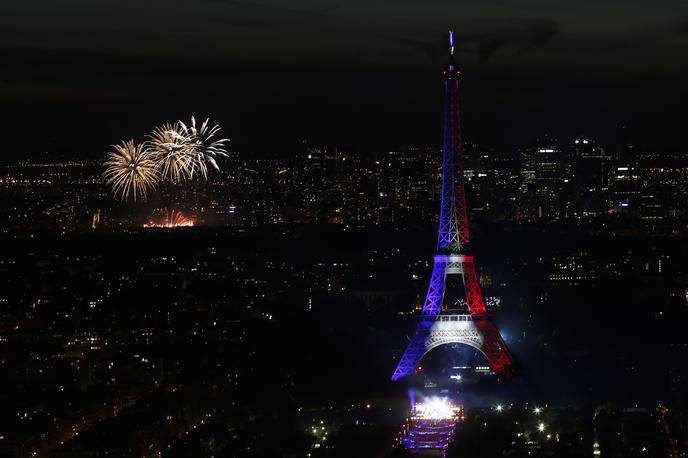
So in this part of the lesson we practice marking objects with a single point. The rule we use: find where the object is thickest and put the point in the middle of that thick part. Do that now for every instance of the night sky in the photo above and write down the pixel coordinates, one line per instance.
(76, 76)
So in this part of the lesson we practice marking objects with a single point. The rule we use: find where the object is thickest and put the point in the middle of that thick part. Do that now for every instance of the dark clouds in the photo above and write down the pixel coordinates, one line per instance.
(521, 36)
(357, 73)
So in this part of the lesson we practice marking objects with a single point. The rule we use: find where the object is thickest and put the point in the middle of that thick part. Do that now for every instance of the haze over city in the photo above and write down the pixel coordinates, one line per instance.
(355, 74)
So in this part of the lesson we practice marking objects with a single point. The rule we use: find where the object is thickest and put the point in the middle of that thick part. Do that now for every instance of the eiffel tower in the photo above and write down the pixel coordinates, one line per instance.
(440, 321)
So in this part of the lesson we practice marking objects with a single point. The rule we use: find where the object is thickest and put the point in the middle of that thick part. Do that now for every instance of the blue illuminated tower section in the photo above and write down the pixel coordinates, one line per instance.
(441, 322)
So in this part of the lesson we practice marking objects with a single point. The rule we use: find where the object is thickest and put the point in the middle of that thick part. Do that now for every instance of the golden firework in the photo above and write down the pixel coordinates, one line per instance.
(170, 149)
(131, 171)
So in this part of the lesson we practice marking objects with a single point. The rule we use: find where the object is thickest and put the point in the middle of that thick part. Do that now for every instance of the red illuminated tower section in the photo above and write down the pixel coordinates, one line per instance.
(453, 234)
(443, 319)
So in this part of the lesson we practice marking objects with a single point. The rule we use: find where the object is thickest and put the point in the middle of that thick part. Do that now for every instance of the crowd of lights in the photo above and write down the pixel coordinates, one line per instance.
(431, 425)
(436, 409)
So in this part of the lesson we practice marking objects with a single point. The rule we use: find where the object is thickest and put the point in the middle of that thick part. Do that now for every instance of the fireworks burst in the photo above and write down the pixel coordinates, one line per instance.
(131, 171)
(169, 147)
(203, 146)
(175, 152)
(170, 218)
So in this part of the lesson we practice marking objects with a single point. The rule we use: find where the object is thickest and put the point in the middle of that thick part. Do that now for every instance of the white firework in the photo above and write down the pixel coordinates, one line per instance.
(130, 171)
(170, 149)
(203, 146)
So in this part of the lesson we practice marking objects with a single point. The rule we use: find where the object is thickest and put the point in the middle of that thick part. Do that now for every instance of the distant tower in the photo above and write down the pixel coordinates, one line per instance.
(443, 319)
(96, 219)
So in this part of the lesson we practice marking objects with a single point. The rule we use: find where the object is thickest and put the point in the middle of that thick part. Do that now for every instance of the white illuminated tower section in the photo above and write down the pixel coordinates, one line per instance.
(440, 321)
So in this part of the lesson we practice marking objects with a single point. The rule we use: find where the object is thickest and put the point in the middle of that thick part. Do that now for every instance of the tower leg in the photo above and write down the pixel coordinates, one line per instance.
(474, 297)
(493, 347)
(433, 300)
(412, 355)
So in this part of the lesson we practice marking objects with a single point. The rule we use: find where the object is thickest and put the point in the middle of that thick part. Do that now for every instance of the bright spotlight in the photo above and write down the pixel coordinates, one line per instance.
(499, 407)
(541, 427)
(436, 409)
(537, 410)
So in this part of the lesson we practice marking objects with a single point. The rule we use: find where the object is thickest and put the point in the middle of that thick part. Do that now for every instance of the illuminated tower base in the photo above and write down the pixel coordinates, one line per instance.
(476, 331)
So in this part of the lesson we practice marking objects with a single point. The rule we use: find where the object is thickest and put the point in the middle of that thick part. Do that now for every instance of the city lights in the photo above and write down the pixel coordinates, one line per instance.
(153, 288)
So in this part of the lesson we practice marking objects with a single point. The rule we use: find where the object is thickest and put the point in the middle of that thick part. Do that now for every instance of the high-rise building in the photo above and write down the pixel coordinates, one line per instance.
(542, 174)
(589, 178)
(625, 190)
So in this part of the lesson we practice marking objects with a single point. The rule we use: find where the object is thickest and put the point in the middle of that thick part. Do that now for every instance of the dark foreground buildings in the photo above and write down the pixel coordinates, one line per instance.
(194, 340)
(270, 328)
